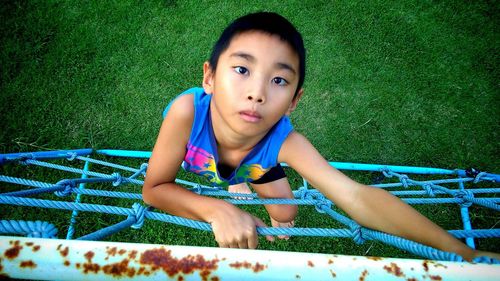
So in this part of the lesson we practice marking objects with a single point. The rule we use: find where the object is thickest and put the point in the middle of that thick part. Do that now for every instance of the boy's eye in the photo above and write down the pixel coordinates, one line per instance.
(280, 81)
(241, 70)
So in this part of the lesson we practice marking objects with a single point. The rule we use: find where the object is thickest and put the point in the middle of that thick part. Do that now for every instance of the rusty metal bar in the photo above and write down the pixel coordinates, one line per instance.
(54, 259)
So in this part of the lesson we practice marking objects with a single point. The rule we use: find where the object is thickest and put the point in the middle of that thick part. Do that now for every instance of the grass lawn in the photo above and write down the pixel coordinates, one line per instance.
(397, 82)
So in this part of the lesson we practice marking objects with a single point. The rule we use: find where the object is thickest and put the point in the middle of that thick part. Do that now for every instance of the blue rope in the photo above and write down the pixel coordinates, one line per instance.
(137, 214)
(24, 181)
(37, 229)
(112, 229)
(74, 213)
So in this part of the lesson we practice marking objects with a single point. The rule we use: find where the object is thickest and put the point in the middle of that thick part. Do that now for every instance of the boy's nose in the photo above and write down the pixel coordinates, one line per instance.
(257, 95)
(258, 99)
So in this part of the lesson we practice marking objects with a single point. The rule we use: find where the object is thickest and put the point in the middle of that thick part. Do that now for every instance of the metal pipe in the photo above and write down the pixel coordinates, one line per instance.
(55, 259)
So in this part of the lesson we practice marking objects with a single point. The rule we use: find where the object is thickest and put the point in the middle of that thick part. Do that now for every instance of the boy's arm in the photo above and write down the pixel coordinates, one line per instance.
(231, 226)
(371, 207)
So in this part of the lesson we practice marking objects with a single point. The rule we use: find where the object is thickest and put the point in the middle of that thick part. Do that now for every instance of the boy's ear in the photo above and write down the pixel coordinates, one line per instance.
(295, 101)
(208, 78)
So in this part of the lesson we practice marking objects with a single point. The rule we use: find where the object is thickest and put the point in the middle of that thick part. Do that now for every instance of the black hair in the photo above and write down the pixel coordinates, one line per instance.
(267, 22)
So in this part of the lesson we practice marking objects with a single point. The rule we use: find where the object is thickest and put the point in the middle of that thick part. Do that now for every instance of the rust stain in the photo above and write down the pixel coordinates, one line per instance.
(119, 269)
(215, 278)
(13, 252)
(375, 258)
(161, 258)
(89, 255)
(436, 264)
(394, 269)
(333, 273)
(29, 244)
(111, 252)
(180, 278)
(78, 265)
(411, 279)
(132, 254)
(89, 266)
(256, 268)
(29, 264)
(330, 261)
(204, 275)
(67, 263)
(363, 275)
(435, 277)
(425, 265)
(36, 248)
(239, 265)
(310, 263)
(122, 252)
(64, 252)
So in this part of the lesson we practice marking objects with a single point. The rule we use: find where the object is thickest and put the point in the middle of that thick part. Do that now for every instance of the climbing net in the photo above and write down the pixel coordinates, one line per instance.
(449, 188)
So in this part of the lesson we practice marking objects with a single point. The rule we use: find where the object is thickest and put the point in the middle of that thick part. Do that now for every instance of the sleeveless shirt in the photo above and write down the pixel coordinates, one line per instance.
(201, 150)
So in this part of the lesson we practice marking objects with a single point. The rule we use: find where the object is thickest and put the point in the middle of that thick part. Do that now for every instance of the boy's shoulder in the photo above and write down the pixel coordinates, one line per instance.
(182, 107)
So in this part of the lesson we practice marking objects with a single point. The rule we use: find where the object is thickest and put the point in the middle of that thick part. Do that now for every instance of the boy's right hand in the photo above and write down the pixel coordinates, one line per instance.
(234, 228)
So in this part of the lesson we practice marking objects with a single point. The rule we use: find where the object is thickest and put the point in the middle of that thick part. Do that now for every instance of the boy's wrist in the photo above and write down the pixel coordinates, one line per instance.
(461, 249)
(213, 209)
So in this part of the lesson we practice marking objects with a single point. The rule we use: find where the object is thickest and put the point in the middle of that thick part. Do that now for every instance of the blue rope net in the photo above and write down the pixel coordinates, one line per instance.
(444, 190)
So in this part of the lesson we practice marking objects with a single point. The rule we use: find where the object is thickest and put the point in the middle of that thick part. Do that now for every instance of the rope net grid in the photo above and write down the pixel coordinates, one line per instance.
(80, 180)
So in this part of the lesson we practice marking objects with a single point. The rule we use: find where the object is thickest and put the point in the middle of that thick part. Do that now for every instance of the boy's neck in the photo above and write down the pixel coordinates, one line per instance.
(228, 140)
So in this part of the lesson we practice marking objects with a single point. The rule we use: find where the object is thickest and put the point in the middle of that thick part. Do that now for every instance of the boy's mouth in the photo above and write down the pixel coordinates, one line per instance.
(250, 116)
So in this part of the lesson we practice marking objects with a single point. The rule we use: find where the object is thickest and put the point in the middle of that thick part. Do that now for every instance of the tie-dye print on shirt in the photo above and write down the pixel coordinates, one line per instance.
(201, 162)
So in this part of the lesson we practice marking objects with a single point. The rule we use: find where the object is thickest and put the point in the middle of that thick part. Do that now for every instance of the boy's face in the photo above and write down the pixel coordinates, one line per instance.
(254, 83)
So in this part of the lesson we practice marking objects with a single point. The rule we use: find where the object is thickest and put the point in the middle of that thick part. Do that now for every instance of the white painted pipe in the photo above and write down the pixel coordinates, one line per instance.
(55, 259)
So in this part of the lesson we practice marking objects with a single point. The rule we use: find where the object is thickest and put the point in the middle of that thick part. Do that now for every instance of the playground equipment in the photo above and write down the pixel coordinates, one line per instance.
(43, 256)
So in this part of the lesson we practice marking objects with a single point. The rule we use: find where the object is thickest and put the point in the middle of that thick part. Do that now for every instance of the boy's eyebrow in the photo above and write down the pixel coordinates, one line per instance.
(286, 66)
(243, 55)
(250, 58)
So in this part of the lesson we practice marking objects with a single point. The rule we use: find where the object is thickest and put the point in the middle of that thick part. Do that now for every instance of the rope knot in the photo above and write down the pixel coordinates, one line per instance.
(429, 190)
(305, 193)
(322, 203)
(197, 189)
(479, 177)
(71, 156)
(143, 168)
(386, 172)
(66, 187)
(465, 197)
(117, 179)
(404, 180)
(24, 157)
(139, 214)
(357, 233)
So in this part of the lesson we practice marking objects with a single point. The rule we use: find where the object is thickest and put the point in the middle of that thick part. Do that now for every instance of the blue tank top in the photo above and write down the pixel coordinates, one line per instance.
(201, 151)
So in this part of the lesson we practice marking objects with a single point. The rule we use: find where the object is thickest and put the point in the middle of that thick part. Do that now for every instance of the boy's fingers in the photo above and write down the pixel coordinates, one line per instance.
(253, 242)
(260, 223)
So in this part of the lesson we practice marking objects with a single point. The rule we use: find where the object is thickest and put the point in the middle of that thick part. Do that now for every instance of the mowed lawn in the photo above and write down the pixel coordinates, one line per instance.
(389, 82)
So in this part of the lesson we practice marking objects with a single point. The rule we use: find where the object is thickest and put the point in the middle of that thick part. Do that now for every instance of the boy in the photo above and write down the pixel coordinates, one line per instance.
(236, 130)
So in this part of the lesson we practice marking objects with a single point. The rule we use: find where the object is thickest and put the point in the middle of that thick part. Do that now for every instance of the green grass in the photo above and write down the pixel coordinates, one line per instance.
(387, 82)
